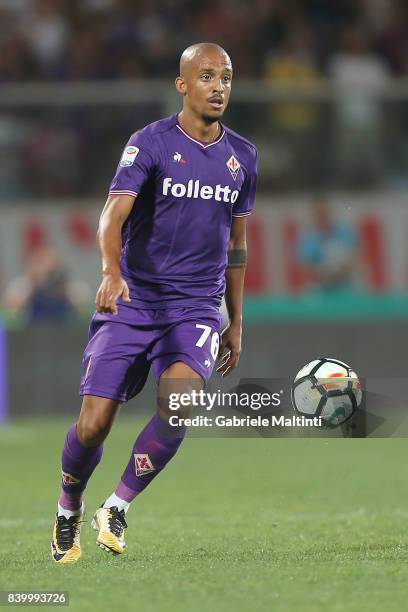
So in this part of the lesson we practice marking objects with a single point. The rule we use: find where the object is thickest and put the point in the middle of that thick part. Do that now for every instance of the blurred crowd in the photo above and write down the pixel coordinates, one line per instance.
(327, 258)
(105, 39)
(45, 290)
(355, 139)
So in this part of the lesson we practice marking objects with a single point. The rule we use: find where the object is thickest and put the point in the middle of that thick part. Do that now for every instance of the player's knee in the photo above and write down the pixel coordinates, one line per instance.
(179, 390)
(176, 400)
(92, 432)
(168, 409)
(96, 419)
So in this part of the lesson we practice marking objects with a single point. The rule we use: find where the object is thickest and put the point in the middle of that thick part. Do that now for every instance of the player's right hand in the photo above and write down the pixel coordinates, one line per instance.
(112, 287)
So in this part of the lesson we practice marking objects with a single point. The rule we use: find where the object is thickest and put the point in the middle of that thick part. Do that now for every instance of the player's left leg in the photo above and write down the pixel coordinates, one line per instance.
(155, 446)
(182, 358)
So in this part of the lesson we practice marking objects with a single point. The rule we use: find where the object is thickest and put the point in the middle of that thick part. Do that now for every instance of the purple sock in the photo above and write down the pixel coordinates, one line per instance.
(78, 463)
(157, 443)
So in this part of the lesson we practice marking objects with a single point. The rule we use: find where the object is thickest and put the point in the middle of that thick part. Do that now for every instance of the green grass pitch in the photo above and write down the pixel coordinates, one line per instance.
(231, 524)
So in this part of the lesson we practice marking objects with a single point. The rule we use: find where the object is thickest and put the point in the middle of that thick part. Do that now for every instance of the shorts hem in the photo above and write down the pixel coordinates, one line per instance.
(105, 394)
(184, 359)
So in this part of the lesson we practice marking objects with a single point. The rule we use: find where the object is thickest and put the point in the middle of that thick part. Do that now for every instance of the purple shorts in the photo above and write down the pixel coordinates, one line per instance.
(122, 348)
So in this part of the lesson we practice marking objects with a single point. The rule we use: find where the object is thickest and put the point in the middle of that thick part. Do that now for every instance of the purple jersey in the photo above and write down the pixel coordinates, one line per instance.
(176, 237)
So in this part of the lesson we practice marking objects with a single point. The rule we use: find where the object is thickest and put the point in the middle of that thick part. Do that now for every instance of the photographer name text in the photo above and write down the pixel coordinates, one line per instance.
(245, 421)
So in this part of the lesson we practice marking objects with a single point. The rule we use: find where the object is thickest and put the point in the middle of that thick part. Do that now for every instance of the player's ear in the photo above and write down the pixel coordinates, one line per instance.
(180, 85)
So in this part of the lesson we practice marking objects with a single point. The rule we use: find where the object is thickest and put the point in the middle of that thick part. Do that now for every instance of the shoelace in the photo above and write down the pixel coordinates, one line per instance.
(117, 521)
(66, 531)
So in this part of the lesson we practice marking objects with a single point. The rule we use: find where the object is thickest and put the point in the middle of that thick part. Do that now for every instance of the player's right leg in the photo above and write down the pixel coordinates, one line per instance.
(81, 454)
(114, 366)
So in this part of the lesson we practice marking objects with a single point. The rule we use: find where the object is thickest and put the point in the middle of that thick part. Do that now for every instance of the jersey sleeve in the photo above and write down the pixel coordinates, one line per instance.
(135, 166)
(245, 203)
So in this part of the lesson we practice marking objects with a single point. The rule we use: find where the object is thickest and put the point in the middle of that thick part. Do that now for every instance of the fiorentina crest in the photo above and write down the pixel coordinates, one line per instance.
(68, 479)
(233, 166)
(143, 465)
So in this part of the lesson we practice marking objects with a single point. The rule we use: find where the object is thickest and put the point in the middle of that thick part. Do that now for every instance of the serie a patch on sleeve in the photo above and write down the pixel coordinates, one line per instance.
(129, 156)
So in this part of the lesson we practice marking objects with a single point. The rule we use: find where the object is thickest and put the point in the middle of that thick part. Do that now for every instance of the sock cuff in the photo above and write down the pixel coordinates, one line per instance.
(118, 500)
(165, 430)
(74, 445)
(68, 513)
(124, 492)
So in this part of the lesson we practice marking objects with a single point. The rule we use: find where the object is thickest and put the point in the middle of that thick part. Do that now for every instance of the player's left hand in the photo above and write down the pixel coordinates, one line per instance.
(230, 349)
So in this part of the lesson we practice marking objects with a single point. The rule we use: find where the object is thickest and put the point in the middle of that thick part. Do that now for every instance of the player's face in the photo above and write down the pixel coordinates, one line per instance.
(208, 86)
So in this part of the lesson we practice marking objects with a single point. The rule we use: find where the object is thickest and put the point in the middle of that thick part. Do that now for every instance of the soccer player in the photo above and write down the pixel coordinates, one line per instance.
(172, 241)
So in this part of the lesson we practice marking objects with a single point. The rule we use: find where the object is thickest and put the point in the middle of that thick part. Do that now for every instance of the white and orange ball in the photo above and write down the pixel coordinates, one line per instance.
(327, 388)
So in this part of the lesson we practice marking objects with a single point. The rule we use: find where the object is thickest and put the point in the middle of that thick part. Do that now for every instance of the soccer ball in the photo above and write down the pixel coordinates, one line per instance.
(328, 388)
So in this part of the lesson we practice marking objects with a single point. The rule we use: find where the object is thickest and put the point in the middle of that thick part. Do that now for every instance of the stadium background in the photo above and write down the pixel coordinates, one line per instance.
(320, 87)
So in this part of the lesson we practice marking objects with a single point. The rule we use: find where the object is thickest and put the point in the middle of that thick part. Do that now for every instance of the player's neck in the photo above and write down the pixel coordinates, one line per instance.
(197, 128)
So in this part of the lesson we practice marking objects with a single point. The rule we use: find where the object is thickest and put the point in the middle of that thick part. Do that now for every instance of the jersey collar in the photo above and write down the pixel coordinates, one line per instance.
(202, 144)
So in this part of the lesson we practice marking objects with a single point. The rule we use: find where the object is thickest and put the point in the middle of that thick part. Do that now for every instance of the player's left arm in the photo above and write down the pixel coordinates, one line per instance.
(230, 348)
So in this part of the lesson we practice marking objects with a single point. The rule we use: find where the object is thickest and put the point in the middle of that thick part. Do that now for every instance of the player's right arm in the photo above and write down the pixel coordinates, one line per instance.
(113, 285)
(134, 169)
